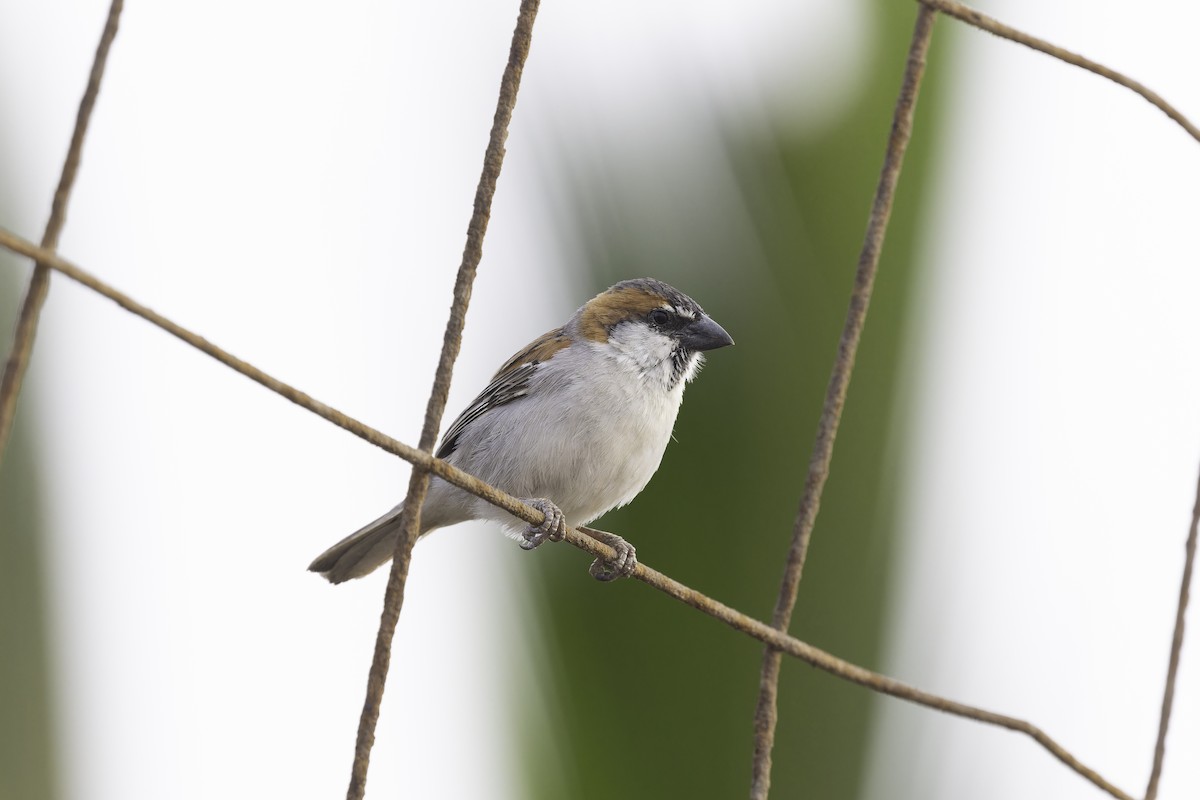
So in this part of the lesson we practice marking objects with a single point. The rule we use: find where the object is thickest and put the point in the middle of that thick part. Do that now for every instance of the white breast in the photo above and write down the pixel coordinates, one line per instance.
(588, 436)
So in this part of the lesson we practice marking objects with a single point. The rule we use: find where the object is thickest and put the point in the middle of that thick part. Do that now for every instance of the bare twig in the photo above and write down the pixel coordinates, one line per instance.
(780, 642)
(994, 26)
(776, 638)
(39, 284)
(423, 460)
(1160, 746)
(765, 714)
(418, 485)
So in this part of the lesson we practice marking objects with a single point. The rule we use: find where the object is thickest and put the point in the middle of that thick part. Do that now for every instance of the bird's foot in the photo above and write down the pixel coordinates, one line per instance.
(553, 528)
(622, 566)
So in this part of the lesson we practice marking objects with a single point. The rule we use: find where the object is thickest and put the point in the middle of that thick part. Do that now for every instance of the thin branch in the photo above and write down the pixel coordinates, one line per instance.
(984, 22)
(994, 26)
(1160, 746)
(418, 484)
(776, 638)
(423, 460)
(766, 711)
(781, 642)
(39, 284)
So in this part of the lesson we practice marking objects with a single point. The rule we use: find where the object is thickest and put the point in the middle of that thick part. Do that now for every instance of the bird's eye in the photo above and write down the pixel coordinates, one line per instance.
(659, 317)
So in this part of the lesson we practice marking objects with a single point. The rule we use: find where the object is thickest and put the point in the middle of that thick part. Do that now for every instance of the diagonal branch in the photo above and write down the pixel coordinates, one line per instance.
(39, 284)
(418, 484)
(421, 459)
(1160, 746)
(994, 26)
(766, 711)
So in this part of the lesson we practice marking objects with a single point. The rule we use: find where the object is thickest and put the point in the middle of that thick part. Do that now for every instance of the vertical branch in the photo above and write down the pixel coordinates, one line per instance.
(418, 483)
(39, 284)
(765, 715)
(1160, 746)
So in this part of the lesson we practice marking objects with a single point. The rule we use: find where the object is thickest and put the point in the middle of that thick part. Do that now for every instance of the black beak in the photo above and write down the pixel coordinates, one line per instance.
(704, 334)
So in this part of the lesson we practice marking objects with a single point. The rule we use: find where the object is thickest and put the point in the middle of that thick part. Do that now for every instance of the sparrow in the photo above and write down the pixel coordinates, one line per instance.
(575, 424)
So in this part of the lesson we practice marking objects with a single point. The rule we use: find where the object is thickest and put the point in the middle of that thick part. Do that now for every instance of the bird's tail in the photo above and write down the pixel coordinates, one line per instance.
(362, 552)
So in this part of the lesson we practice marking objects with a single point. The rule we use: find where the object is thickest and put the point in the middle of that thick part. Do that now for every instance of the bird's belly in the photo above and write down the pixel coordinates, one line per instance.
(609, 470)
(587, 458)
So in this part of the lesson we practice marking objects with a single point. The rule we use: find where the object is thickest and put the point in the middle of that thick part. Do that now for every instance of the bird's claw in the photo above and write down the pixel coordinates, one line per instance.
(621, 566)
(553, 527)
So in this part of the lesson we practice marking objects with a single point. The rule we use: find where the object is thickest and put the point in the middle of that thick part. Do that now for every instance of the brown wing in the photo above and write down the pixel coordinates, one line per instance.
(509, 384)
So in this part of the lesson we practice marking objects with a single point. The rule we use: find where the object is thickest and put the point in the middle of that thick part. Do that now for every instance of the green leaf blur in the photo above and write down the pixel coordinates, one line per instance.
(657, 700)
(27, 766)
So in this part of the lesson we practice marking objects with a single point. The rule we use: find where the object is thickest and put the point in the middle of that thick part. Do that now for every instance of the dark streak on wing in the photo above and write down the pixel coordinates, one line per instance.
(509, 384)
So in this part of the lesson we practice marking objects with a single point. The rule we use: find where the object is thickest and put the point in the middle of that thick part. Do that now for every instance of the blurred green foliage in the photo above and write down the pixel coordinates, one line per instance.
(26, 720)
(657, 700)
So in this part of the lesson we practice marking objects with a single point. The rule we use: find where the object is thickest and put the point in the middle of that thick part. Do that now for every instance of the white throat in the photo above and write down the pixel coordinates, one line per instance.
(656, 358)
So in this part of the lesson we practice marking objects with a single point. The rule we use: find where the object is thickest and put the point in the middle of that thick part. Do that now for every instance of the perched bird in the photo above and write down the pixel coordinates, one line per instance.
(576, 424)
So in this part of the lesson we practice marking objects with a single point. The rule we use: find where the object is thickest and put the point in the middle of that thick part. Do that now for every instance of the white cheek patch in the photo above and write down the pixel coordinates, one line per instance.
(646, 348)
(652, 356)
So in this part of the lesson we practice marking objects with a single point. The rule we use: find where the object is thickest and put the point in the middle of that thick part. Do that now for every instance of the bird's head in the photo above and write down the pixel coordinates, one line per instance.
(655, 326)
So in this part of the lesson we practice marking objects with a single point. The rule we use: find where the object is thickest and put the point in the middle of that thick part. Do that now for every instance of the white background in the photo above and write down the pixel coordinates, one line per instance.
(1056, 439)
(294, 182)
